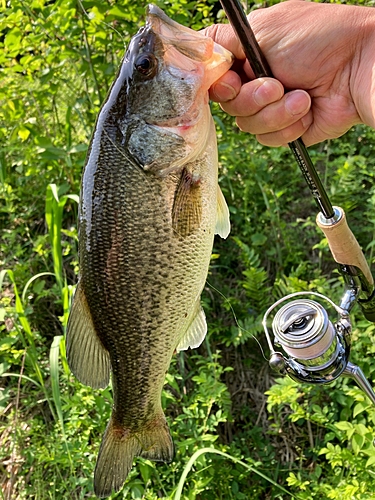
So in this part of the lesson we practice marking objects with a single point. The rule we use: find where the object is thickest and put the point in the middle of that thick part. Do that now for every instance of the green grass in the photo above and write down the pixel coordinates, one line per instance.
(248, 467)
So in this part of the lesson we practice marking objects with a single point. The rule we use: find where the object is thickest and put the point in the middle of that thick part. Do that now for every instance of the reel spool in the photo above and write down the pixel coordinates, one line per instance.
(315, 349)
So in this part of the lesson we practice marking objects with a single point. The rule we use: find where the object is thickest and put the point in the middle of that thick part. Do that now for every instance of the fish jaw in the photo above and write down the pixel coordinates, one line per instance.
(196, 47)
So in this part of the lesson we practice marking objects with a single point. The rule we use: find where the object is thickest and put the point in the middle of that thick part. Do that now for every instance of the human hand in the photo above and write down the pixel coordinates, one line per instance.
(323, 50)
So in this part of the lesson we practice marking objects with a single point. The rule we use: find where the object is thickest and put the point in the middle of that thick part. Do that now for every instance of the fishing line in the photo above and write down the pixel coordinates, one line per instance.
(235, 319)
(83, 9)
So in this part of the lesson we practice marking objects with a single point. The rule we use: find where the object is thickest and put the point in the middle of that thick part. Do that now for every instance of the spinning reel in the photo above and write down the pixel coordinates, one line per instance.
(315, 348)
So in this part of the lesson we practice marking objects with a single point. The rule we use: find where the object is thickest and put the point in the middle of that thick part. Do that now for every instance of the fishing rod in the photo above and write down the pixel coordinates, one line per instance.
(315, 349)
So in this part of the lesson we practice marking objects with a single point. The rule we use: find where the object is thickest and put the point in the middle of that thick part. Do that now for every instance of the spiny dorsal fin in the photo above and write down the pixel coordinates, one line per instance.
(196, 332)
(87, 358)
(222, 222)
(187, 205)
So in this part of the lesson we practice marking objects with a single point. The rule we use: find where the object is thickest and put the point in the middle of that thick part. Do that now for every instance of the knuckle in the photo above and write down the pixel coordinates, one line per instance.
(228, 108)
(211, 31)
(245, 125)
(272, 120)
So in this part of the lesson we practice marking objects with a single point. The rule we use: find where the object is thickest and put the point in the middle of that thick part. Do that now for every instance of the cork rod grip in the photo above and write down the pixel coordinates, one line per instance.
(344, 247)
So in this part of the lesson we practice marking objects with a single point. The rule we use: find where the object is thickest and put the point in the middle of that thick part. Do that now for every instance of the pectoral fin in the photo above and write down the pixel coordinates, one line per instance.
(187, 205)
(196, 332)
(87, 358)
(222, 222)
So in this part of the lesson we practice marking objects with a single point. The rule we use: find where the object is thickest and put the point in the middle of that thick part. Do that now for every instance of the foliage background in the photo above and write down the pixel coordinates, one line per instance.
(57, 60)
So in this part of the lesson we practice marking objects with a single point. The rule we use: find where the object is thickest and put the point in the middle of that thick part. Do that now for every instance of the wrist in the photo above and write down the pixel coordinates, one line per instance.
(362, 84)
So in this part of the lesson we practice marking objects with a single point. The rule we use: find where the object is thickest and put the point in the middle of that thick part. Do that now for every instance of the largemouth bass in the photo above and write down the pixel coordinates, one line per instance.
(150, 206)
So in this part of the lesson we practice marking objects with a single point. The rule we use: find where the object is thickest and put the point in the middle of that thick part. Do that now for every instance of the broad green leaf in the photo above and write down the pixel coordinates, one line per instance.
(360, 407)
(344, 426)
(357, 443)
(13, 39)
(361, 429)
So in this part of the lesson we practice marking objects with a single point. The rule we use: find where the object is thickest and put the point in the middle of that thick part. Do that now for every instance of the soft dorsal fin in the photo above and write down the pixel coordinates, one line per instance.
(222, 222)
(196, 332)
(87, 357)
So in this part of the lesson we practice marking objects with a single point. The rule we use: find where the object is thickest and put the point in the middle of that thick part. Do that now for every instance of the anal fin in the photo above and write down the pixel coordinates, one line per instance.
(196, 331)
(87, 357)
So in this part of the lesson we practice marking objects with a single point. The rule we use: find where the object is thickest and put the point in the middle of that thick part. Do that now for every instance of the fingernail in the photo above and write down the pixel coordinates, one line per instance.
(224, 92)
(297, 102)
(265, 93)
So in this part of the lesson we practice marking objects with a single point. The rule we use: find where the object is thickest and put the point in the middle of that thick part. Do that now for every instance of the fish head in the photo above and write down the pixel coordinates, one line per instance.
(170, 69)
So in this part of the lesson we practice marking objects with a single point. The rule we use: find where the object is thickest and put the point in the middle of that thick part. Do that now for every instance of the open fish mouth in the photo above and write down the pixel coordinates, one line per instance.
(192, 44)
(186, 40)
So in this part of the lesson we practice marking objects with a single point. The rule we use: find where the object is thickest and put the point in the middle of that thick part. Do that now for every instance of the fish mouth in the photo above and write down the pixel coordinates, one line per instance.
(192, 44)
(189, 42)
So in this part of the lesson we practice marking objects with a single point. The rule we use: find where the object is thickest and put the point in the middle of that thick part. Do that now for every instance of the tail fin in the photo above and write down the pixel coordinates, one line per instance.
(120, 446)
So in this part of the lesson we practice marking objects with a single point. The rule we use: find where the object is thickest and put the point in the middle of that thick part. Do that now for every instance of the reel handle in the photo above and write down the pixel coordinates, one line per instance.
(344, 247)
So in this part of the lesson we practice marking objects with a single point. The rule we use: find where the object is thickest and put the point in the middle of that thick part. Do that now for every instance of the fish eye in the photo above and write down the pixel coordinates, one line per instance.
(146, 64)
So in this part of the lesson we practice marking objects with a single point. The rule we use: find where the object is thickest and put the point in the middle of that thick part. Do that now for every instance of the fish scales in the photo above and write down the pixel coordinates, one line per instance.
(150, 206)
(164, 283)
